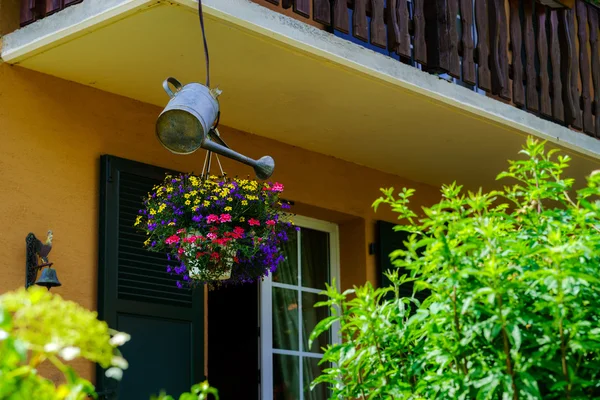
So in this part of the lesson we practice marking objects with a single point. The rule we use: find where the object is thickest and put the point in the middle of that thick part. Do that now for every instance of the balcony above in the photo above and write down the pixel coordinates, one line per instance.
(325, 90)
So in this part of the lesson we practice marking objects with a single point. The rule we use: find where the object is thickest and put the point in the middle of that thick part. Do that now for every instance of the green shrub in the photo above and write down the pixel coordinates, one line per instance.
(36, 325)
(514, 306)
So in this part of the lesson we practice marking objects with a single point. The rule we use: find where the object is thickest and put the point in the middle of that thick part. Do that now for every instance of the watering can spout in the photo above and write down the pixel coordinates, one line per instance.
(263, 167)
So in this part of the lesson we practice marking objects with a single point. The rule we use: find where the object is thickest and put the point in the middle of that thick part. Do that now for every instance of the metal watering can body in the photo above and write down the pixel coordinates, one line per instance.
(189, 119)
(192, 111)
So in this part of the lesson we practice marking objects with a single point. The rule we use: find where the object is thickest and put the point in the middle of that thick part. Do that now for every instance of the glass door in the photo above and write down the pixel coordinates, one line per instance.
(288, 315)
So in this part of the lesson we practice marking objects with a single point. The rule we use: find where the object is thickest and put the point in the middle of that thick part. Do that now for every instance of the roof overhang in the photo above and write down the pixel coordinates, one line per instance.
(288, 81)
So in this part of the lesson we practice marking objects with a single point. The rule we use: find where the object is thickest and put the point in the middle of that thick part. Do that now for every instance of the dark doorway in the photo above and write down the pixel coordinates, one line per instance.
(233, 341)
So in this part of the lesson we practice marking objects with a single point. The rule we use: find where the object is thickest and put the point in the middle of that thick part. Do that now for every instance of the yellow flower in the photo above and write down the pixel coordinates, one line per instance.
(230, 199)
(196, 208)
(152, 211)
(169, 189)
(138, 220)
(194, 192)
(162, 207)
(228, 208)
(147, 242)
(171, 224)
(187, 195)
(242, 219)
(244, 202)
(187, 202)
(197, 201)
(206, 203)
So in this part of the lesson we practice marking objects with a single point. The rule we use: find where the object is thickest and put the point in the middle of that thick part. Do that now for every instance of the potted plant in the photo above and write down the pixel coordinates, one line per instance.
(220, 230)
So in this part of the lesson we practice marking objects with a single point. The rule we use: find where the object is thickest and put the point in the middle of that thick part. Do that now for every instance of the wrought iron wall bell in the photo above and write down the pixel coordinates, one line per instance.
(48, 278)
(36, 252)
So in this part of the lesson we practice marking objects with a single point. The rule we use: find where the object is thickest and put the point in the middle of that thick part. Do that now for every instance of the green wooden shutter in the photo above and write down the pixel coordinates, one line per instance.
(137, 295)
(389, 240)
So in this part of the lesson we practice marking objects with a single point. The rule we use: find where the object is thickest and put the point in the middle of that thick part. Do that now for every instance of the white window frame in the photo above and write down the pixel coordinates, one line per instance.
(266, 318)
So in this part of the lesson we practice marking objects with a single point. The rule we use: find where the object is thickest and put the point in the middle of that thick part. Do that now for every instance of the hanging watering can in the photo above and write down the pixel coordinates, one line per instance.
(188, 121)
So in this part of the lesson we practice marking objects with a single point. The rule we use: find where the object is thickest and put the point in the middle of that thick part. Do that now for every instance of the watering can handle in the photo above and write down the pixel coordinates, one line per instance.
(176, 84)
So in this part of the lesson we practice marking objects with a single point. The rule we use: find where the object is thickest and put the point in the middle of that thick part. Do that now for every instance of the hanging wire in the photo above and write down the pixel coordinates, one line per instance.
(220, 166)
(208, 158)
(201, 17)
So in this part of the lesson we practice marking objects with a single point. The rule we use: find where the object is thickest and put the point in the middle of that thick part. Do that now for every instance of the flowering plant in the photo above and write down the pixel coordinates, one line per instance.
(220, 230)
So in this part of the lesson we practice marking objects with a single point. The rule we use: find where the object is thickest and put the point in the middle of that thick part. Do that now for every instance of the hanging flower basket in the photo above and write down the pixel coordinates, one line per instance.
(220, 230)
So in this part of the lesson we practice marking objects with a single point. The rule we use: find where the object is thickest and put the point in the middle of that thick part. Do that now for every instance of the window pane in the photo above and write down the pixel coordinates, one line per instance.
(315, 258)
(287, 271)
(311, 316)
(285, 377)
(312, 370)
(285, 319)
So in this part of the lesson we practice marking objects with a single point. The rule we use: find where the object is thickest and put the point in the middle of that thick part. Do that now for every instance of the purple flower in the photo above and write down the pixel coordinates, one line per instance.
(153, 243)
(197, 218)
(285, 206)
(169, 269)
(179, 285)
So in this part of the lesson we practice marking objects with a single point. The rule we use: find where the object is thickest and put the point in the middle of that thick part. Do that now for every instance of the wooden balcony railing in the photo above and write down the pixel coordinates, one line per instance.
(541, 59)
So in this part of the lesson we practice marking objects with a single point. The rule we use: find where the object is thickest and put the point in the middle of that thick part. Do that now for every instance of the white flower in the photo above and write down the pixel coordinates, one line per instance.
(120, 362)
(194, 272)
(120, 339)
(3, 334)
(52, 347)
(69, 353)
(115, 373)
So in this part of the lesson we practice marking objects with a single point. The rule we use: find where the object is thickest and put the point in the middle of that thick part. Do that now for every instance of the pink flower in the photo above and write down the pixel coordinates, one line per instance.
(225, 218)
(191, 239)
(214, 256)
(270, 222)
(277, 187)
(253, 222)
(172, 239)
(222, 241)
(212, 218)
(181, 231)
(180, 251)
(238, 230)
(211, 235)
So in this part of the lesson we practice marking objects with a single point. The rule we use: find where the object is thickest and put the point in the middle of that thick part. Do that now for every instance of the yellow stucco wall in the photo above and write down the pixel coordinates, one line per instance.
(52, 133)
